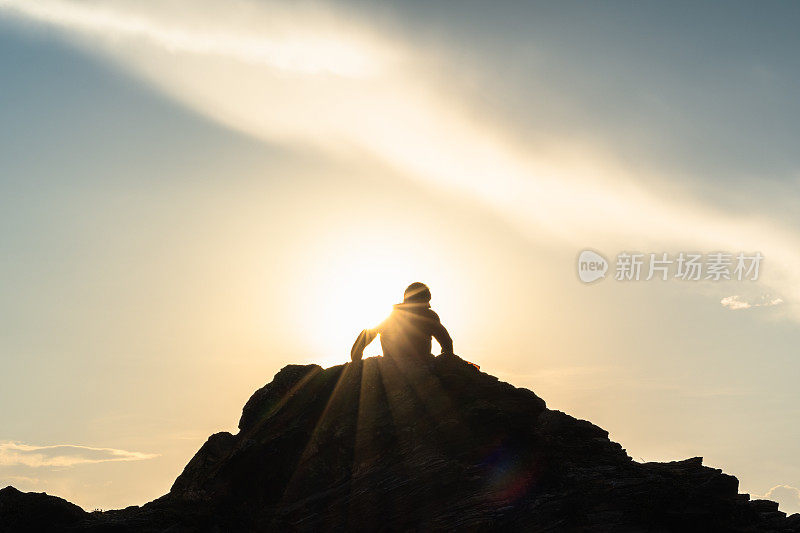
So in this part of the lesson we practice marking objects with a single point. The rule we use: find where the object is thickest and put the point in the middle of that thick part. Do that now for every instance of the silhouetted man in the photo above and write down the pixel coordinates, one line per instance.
(407, 333)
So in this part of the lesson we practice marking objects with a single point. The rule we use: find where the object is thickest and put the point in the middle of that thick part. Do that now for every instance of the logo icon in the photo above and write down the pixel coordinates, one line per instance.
(591, 266)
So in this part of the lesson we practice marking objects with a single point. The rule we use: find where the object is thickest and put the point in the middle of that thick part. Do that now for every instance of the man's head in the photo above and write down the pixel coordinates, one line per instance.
(417, 293)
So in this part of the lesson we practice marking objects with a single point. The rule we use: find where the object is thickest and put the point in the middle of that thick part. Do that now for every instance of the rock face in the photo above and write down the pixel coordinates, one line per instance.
(377, 445)
(36, 511)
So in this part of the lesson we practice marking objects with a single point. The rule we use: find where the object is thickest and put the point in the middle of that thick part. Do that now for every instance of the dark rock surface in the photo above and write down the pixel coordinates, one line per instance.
(382, 446)
(36, 511)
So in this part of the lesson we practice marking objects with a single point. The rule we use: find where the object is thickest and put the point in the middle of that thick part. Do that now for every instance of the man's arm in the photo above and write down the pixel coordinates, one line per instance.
(364, 338)
(442, 337)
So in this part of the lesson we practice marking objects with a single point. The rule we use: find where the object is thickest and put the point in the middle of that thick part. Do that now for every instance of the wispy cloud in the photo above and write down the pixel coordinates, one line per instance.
(310, 53)
(20, 479)
(236, 63)
(737, 303)
(787, 496)
(63, 455)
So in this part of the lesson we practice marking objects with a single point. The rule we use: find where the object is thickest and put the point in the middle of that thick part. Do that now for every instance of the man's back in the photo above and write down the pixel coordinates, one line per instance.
(407, 333)
(408, 330)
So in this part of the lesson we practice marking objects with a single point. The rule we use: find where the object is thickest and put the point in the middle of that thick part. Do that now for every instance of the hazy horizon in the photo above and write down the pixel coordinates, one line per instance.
(195, 194)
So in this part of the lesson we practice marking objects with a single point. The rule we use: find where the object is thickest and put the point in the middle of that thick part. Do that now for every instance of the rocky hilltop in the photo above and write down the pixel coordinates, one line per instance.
(380, 446)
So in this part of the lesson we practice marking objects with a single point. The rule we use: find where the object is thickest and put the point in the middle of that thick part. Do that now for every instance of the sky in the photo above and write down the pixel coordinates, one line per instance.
(195, 194)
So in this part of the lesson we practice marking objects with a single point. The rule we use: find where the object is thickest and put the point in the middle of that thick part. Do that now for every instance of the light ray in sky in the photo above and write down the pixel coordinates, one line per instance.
(264, 74)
